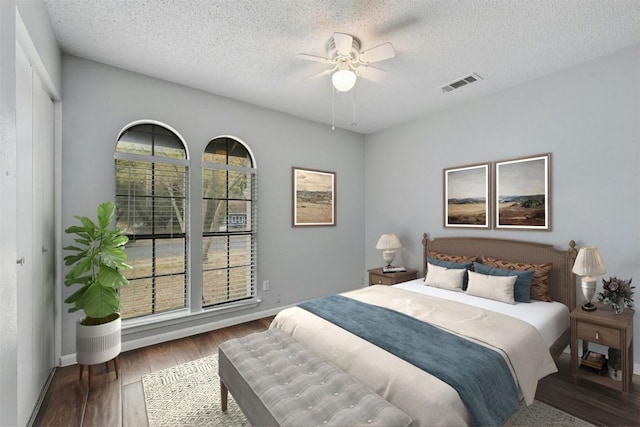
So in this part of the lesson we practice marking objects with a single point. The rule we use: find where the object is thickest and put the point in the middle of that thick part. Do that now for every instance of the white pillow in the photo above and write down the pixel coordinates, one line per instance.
(445, 278)
(499, 288)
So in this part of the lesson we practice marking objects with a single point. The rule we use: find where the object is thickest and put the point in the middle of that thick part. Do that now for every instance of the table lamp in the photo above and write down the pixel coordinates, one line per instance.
(388, 243)
(589, 264)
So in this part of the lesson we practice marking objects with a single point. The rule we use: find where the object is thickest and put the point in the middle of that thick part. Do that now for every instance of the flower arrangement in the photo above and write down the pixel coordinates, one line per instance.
(617, 291)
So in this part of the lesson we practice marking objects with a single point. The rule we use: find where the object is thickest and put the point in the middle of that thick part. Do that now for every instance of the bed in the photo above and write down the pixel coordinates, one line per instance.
(392, 362)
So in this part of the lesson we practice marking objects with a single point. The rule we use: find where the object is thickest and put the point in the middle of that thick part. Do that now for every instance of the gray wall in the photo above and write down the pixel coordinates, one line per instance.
(586, 116)
(301, 263)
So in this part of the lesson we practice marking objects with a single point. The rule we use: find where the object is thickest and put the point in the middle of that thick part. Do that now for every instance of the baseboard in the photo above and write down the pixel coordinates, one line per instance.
(43, 392)
(70, 359)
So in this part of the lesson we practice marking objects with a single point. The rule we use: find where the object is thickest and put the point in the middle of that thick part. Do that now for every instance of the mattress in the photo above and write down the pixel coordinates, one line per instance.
(551, 319)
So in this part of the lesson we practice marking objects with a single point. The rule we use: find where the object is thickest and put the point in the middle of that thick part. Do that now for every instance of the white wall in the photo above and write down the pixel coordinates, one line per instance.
(586, 116)
(301, 263)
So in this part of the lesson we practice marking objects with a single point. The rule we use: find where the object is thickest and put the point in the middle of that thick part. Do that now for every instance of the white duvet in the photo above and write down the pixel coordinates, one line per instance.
(426, 399)
(551, 319)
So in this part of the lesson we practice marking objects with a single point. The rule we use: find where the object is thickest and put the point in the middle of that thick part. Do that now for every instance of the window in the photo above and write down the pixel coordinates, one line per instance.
(229, 223)
(153, 209)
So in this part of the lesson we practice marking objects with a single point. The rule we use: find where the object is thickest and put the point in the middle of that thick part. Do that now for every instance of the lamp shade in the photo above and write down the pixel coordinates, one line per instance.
(388, 241)
(343, 80)
(589, 262)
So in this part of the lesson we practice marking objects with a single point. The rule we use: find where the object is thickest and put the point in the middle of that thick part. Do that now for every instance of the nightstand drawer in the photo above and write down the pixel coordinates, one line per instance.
(599, 334)
(377, 277)
(374, 279)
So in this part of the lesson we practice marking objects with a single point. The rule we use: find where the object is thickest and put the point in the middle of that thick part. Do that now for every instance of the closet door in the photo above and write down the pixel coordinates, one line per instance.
(24, 184)
(35, 247)
(44, 268)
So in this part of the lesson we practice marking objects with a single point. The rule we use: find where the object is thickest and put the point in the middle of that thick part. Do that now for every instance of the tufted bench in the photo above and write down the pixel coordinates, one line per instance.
(277, 381)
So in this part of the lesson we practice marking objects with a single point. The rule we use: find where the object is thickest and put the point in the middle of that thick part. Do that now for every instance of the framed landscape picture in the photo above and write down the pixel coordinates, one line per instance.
(523, 199)
(466, 196)
(314, 197)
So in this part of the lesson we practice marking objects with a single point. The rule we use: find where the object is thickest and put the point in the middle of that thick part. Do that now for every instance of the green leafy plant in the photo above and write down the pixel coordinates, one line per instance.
(97, 259)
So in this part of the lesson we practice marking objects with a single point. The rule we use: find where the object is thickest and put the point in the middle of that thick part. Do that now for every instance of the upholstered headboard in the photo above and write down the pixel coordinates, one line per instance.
(562, 286)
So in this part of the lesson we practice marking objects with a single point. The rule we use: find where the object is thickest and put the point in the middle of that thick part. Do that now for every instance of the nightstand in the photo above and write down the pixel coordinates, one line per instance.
(377, 277)
(604, 327)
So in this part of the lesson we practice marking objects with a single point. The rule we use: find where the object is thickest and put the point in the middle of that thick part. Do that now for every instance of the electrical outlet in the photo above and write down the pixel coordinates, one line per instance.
(265, 285)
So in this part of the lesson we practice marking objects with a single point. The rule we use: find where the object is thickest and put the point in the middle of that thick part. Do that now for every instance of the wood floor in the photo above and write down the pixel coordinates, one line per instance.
(120, 402)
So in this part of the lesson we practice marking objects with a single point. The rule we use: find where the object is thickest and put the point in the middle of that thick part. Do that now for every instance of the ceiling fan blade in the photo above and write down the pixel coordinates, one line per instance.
(313, 58)
(343, 42)
(320, 74)
(371, 73)
(378, 53)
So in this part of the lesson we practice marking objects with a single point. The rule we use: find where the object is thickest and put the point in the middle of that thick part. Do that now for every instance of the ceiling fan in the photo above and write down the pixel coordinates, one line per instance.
(348, 63)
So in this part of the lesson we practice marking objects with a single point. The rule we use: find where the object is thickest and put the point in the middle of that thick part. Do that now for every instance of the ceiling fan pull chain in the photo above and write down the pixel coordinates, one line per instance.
(333, 108)
(353, 123)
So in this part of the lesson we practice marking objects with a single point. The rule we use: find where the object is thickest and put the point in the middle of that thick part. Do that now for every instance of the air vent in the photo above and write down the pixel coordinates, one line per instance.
(458, 83)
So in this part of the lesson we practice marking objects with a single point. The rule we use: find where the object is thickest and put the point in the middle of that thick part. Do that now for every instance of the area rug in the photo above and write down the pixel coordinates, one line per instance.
(541, 414)
(189, 395)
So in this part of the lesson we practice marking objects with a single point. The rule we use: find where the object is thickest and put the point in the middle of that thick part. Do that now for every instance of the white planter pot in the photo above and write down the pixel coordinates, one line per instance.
(99, 343)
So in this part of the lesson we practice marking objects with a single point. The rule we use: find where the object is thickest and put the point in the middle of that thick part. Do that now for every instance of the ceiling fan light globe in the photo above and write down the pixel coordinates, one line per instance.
(343, 80)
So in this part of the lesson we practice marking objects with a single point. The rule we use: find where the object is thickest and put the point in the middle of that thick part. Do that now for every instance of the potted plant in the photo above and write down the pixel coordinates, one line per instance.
(97, 259)
(617, 292)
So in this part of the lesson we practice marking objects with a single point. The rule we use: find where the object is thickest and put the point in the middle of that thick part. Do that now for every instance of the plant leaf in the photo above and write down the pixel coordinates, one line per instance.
(120, 240)
(99, 301)
(68, 281)
(88, 226)
(81, 267)
(105, 214)
(114, 257)
(76, 295)
(73, 248)
(111, 278)
(76, 229)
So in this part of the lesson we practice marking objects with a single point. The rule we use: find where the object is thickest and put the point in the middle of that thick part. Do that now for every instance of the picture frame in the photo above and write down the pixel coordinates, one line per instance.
(467, 198)
(523, 193)
(314, 197)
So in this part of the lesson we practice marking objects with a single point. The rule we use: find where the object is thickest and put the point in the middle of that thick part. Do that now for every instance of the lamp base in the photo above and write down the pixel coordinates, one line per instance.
(589, 306)
(388, 256)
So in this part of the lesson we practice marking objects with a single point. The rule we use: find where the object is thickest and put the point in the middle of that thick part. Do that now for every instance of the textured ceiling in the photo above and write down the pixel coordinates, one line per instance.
(246, 50)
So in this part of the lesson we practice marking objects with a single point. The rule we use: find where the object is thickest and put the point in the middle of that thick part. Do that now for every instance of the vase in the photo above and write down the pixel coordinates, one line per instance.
(98, 343)
(617, 307)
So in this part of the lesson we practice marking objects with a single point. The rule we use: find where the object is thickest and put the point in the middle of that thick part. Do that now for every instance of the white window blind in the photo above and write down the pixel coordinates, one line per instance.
(229, 223)
(151, 196)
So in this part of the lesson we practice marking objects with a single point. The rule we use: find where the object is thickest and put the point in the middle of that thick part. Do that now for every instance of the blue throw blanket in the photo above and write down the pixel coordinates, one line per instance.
(480, 375)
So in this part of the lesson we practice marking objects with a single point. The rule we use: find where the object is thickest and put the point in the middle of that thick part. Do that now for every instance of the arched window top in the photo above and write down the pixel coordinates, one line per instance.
(229, 190)
(226, 150)
(151, 139)
(152, 197)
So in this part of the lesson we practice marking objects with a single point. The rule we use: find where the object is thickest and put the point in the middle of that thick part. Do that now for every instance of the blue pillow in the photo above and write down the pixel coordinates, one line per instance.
(456, 265)
(522, 287)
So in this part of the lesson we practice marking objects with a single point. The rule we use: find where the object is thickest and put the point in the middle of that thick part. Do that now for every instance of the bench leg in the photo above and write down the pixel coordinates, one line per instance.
(224, 394)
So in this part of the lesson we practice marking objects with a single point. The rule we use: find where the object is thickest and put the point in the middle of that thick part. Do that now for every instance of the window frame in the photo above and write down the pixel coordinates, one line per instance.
(153, 318)
(157, 324)
(253, 232)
